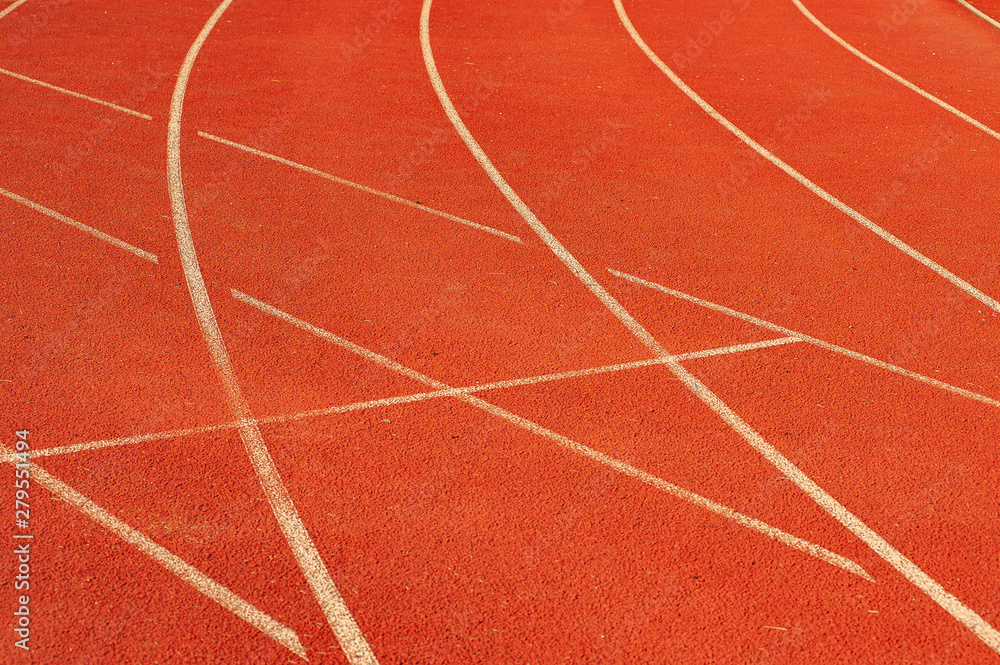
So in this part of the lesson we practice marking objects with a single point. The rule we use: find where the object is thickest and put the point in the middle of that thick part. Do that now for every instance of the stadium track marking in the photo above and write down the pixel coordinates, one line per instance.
(602, 458)
(101, 235)
(401, 399)
(510, 383)
(811, 340)
(369, 190)
(828, 503)
(11, 7)
(335, 609)
(980, 14)
(801, 179)
(76, 94)
(891, 74)
(201, 582)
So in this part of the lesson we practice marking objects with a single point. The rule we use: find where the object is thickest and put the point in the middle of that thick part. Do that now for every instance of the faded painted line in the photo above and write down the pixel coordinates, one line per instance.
(513, 383)
(76, 94)
(811, 340)
(808, 184)
(896, 77)
(202, 583)
(738, 348)
(978, 13)
(128, 440)
(12, 7)
(101, 235)
(756, 525)
(351, 639)
(385, 401)
(368, 190)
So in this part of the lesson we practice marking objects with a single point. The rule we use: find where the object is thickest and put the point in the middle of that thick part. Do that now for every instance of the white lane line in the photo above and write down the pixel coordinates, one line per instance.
(923, 93)
(385, 401)
(76, 94)
(128, 440)
(546, 236)
(200, 581)
(573, 374)
(756, 525)
(811, 340)
(121, 244)
(978, 13)
(351, 639)
(390, 401)
(829, 504)
(806, 182)
(369, 190)
(12, 7)
(739, 348)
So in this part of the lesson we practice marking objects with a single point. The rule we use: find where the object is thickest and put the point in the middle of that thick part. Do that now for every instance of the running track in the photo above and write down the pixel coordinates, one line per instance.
(572, 331)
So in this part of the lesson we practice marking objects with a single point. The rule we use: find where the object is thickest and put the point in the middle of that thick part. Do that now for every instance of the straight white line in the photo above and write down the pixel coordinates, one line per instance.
(923, 93)
(385, 401)
(77, 94)
(201, 582)
(351, 639)
(12, 7)
(878, 544)
(806, 182)
(739, 348)
(792, 541)
(811, 340)
(369, 190)
(513, 383)
(979, 13)
(128, 440)
(121, 244)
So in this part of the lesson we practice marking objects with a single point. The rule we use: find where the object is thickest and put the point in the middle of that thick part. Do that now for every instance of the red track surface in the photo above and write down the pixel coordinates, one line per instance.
(829, 497)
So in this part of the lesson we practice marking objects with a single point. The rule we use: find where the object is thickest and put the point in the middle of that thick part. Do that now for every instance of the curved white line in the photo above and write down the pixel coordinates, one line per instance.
(568, 259)
(806, 182)
(978, 13)
(966, 616)
(923, 93)
(829, 504)
(337, 614)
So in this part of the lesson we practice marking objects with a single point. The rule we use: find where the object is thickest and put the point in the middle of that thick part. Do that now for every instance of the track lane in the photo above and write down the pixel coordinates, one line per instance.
(310, 562)
(962, 613)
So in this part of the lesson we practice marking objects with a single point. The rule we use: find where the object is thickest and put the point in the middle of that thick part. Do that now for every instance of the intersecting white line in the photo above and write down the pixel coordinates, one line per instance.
(511, 383)
(200, 581)
(388, 401)
(923, 93)
(369, 190)
(979, 13)
(121, 244)
(12, 7)
(76, 94)
(806, 182)
(335, 609)
(827, 502)
(602, 458)
(811, 340)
